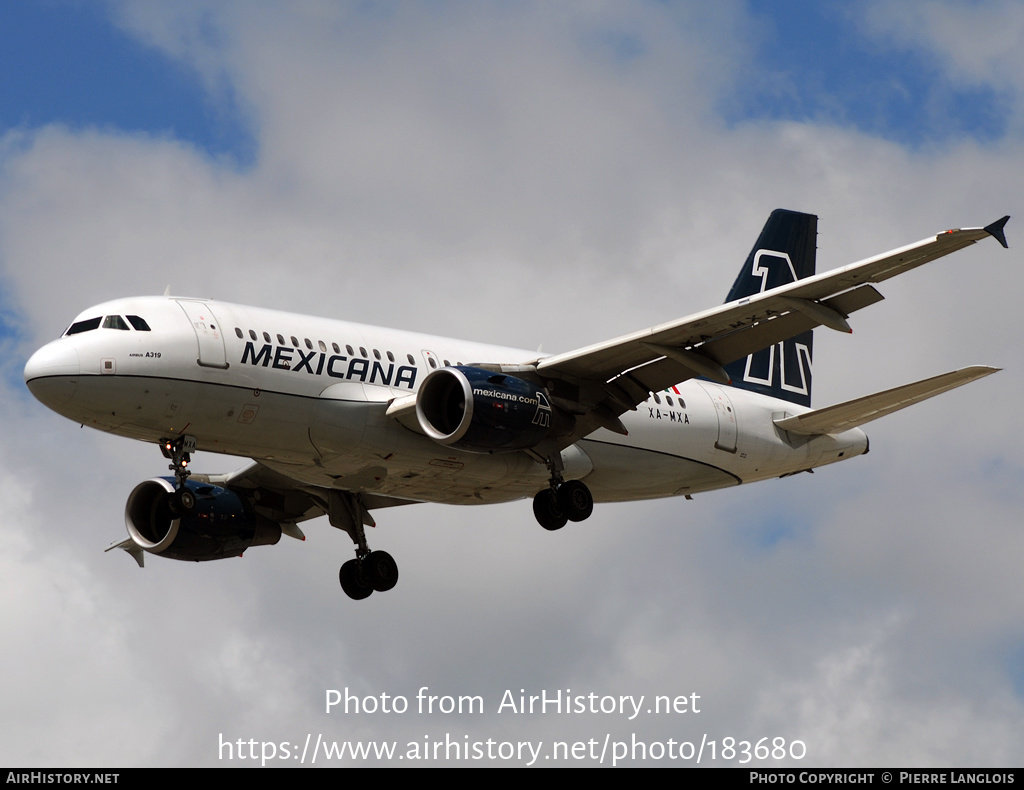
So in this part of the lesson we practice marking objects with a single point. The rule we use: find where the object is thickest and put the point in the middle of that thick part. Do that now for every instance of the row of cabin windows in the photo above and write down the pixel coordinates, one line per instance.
(337, 349)
(139, 323)
(668, 399)
(108, 322)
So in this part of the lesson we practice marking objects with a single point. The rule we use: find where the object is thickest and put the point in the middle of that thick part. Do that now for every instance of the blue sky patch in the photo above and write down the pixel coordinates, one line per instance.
(813, 64)
(763, 534)
(66, 63)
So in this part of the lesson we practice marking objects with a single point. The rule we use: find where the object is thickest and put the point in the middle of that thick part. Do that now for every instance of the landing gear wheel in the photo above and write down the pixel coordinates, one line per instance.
(547, 511)
(575, 500)
(354, 581)
(183, 501)
(380, 570)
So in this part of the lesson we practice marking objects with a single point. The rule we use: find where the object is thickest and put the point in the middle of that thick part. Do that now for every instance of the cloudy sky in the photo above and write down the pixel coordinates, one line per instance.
(531, 174)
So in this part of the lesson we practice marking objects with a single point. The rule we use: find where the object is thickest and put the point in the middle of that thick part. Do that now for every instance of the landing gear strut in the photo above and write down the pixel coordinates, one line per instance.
(563, 500)
(370, 570)
(179, 452)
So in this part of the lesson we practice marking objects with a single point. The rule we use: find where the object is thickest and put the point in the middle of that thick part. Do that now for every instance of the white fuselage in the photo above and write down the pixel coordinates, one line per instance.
(308, 397)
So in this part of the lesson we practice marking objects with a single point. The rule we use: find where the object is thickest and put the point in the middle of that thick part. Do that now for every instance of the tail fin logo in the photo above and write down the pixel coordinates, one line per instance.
(765, 360)
(784, 253)
(775, 269)
(780, 271)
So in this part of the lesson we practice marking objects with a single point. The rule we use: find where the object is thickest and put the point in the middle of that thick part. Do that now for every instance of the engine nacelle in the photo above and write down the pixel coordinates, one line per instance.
(482, 411)
(220, 525)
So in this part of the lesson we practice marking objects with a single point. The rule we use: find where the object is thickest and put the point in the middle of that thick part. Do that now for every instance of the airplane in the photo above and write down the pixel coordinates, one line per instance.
(342, 419)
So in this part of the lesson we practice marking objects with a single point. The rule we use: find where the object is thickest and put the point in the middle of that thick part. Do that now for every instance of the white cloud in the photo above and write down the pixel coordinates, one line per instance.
(520, 176)
(975, 43)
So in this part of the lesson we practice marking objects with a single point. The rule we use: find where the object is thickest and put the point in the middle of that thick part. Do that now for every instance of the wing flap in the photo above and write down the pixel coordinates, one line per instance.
(665, 372)
(603, 361)
(853, 413)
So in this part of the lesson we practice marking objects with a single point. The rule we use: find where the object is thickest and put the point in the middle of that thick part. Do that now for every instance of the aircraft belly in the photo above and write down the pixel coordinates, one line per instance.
(228, 420)
(622, 473)
(144, 407)
(394, 461)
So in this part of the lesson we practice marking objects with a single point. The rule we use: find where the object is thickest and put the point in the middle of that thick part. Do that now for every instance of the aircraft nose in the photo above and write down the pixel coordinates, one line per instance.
(52, 373)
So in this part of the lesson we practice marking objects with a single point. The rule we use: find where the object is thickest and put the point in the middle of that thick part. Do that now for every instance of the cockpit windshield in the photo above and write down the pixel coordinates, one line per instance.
(114, 322)
(83, 326)
(108, 322)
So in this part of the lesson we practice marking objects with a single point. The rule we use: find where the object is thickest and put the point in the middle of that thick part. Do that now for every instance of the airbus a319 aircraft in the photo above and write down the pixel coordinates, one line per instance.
(343, 419)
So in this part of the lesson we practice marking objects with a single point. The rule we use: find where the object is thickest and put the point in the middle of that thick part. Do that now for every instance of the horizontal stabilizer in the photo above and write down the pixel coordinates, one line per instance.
(853, 413)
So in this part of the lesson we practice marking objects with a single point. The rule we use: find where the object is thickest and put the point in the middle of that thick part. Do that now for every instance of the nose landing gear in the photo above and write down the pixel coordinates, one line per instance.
(179, 452)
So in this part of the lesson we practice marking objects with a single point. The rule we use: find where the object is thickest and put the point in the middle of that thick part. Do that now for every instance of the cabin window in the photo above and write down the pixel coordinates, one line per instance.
(280, 340)
(239, 333)
(351, 353)
(322, 344)
(295, 341)
(376, 355)
(139, 323)
(411, 360)
(668, 399)
(114, 322)
(362, 352)
(391, 357)
(657, 399)
(266, 337)
(84, 326)
(309, 345)
(252, 335)
(337, 349)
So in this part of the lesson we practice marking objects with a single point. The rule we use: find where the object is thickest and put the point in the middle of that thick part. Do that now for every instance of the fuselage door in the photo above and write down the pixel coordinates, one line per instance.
(208, 333)
(726, 416)
(433, 360)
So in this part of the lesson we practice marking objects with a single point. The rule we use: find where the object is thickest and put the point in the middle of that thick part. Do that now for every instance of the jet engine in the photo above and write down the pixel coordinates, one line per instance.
(220, 525)
(482, 411)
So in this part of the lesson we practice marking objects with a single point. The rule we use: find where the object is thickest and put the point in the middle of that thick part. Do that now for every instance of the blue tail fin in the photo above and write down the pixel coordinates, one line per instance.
(784, 252)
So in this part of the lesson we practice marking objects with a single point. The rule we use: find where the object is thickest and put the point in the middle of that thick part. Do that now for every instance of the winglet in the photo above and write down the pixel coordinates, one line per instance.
(132, 548)
(995, 230)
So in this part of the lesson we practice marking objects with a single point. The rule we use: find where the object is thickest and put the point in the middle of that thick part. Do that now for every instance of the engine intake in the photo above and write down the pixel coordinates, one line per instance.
(482, 411)
(220, 525)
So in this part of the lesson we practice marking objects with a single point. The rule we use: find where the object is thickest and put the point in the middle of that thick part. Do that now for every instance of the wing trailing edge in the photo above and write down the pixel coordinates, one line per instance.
(854, 413)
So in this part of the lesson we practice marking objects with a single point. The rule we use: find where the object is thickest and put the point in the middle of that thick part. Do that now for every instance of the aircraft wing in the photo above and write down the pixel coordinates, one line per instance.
(282, 500)
(602, 381)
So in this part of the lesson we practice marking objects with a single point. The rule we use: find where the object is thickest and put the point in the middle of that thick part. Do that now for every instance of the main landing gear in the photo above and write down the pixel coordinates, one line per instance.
(179, 452)
(371, 570)
(376, 570)
(563, 500)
